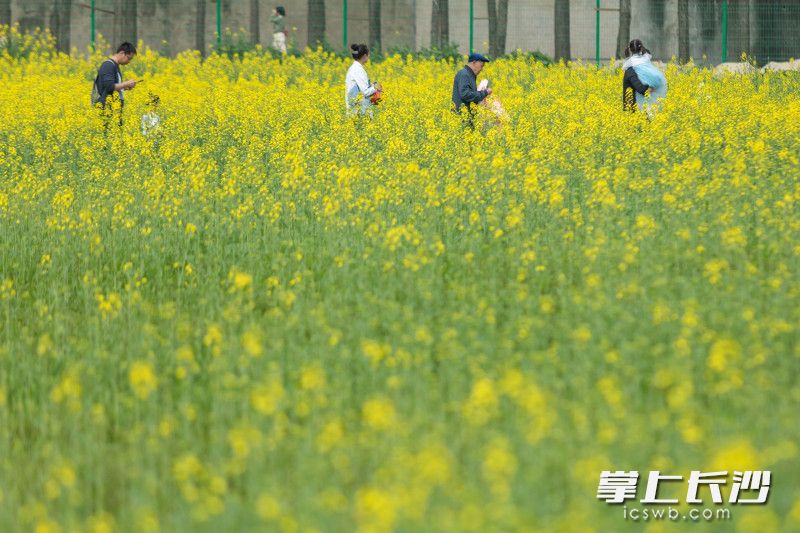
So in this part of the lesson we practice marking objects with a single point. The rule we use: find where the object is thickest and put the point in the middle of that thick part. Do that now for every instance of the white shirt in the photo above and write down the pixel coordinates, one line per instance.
(119, 80)
(357, 82)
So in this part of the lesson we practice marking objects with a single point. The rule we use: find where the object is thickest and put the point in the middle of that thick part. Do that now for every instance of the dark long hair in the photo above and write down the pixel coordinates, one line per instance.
(635, 47)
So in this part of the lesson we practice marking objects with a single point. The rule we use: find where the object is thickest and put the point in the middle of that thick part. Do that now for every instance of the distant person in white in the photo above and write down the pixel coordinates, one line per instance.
(357, 82)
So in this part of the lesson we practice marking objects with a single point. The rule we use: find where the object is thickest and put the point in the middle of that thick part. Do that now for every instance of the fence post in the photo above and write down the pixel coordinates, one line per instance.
(91, 18)
(219, 24)
(344, 24)
(471, 24)
(597, 33)
(724, 31)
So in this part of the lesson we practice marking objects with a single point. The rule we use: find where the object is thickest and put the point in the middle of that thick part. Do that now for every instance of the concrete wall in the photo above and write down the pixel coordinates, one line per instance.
(169, 25)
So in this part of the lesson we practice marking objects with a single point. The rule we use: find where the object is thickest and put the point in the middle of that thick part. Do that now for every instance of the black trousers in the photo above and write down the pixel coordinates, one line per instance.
(467, 116)
(107, 112)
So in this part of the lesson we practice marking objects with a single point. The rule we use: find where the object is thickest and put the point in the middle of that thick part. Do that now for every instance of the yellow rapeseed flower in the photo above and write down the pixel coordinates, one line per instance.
(142, 379)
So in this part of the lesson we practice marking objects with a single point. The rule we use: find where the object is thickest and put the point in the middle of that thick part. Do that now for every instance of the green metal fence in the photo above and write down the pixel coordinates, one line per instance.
(105, 12)
(708, 31)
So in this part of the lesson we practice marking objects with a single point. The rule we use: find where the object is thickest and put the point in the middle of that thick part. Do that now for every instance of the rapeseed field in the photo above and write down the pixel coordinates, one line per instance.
(268, 316)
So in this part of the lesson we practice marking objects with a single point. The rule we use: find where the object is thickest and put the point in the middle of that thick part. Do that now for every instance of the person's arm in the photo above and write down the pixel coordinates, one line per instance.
(130, 84)
(363, 84)
(107, 79)
(467, 93)
(634, 82)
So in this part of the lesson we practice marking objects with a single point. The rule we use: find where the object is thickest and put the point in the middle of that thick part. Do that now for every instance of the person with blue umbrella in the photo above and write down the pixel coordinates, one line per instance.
(644, 87)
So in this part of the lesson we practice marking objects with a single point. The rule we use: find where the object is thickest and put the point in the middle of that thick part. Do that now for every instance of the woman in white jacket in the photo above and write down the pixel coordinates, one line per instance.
(357, 82)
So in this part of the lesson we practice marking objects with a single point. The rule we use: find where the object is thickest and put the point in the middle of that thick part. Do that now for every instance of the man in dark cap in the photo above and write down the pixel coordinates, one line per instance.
(465, 88)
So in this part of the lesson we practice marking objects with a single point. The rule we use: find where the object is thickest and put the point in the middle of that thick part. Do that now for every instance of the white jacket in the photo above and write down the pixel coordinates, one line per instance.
(357, 82)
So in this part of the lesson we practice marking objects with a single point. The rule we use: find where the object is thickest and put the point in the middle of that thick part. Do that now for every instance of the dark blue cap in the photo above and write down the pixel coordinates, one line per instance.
(474, 56)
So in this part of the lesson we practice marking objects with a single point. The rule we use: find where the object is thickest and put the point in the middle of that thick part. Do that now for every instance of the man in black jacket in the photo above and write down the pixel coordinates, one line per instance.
(465, 88)
(109, 77)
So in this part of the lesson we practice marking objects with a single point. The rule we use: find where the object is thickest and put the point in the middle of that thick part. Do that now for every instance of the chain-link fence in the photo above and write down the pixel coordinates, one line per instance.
(168, 27)
(709, 31)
